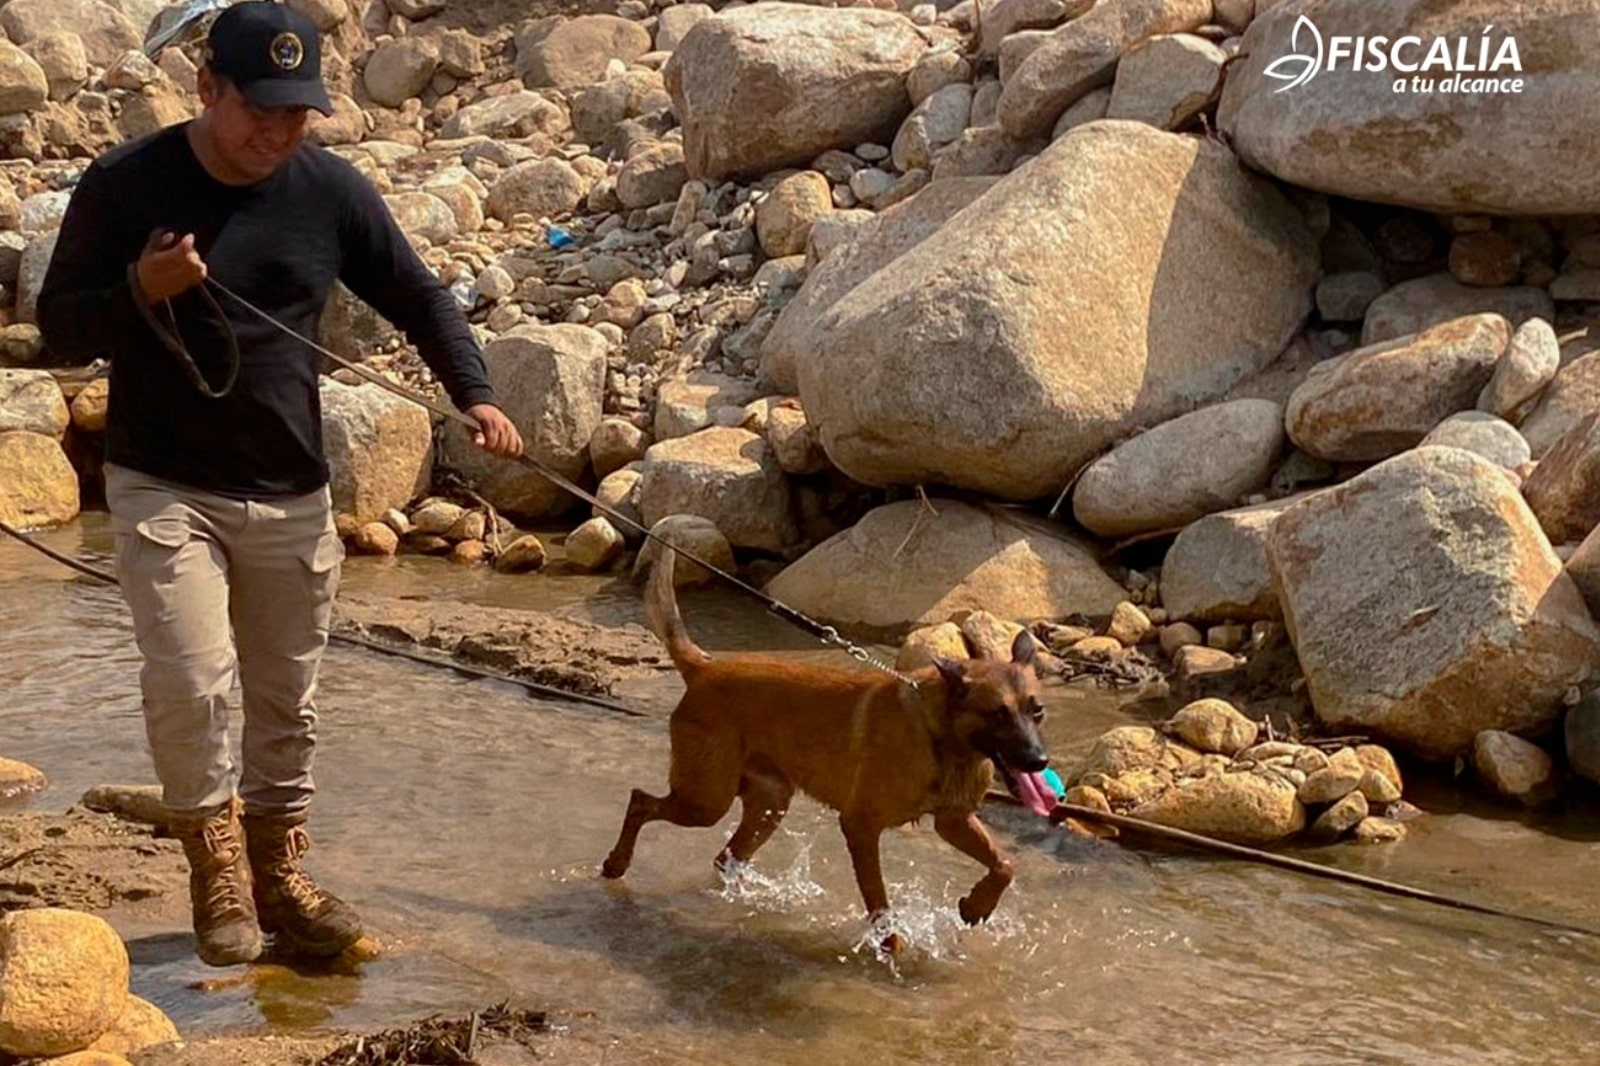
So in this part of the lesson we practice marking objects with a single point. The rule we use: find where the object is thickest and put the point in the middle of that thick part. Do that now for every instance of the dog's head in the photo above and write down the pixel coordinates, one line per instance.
(994, 708)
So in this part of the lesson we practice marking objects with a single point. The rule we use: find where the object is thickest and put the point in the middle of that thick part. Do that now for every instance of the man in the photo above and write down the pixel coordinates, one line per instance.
(220, 504)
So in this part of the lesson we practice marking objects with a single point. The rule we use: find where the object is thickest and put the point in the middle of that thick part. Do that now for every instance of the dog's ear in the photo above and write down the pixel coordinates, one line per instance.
(953, 675)
(1022, 649)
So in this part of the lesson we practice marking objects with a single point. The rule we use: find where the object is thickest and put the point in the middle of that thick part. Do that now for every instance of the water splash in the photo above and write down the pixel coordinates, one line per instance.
(743, 883)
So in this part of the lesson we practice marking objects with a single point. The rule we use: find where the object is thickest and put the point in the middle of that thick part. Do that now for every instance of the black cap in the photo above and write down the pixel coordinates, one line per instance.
(272, 53)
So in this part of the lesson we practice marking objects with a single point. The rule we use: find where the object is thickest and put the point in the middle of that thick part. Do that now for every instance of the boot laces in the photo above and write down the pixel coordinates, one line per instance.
(222, 844)
(295, 882)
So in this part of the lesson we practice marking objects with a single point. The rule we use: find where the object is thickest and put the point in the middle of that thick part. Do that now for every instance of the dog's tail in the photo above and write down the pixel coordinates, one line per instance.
(661, 613)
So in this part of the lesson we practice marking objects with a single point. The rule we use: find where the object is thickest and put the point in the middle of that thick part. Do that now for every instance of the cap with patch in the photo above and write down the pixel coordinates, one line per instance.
(272, 53)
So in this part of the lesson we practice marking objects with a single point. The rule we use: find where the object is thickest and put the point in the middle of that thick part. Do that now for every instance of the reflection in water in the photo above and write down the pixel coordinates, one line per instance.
(467, 822)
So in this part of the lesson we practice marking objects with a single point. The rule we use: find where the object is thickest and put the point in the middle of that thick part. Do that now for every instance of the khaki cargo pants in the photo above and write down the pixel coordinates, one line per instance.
(192, 565)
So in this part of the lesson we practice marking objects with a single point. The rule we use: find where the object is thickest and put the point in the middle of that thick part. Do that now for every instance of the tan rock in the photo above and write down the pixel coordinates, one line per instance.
(1564, 490)
(1382, 399)
(902, 566)
(1197, 660)
(1213, 725)
(90, 405)
(63, 981)
(539, 187)
(1432, 300)
(594, 545)
(871, 245)
(777, 84)
(1378, 831)
(379, 448)
(31, 400)
(142, 1025)
(1118, 751)
(1333, 782)
(1179, 635)
(784, 219)
(652, 176)
(40, 487)
(20, 779)
(923, 645)
(934, 123)
(1181, 470)
(1004, 18)
(1244, 808)
(567, 53)
(1425, 604)
(1166, 80)
(399, 69)
(1482, 434)
(375, 538)
(1340, 818)
(106, 33)
(1018, 421)
(1082, 56)
(1349, 134)
(550, 380)
(1523, 372)
(696, 535)
(989, 636)
(614, 444)
(525, 554)
(1217, 568)
(1515, 768)
(1129, 625)
(723, 474)
(1569, 399)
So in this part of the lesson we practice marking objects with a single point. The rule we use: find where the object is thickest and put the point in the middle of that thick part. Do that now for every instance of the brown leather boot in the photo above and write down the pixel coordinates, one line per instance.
(219, 886)
(292, 907)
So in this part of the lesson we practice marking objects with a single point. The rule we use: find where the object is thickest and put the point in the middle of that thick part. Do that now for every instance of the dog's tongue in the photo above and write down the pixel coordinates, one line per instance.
(1034, 792)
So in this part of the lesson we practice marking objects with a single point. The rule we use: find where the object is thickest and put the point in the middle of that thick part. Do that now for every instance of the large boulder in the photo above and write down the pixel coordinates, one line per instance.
(380, 449)
(106, 32)
(31, 400)
(538, 187)
(40, 488)
(724, 474)
(869, 248)
(550, 380)
(1082, 56)
(1346, 131)
(1059, 311)
(904, 566)
(397, 70)
(568, 53)
(1426, 605)
(777, 84)
(23, 85)
(1183, 469)
(63, 981)
(1375, 401)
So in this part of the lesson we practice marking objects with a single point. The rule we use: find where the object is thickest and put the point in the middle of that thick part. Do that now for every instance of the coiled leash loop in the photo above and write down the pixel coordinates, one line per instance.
(167, 333)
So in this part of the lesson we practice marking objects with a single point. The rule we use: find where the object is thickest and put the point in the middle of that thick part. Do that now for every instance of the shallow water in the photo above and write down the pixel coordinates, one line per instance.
(467, 820)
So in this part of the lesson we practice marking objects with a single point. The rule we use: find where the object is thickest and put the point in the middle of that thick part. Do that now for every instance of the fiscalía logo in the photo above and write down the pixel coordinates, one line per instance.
(1433, 63)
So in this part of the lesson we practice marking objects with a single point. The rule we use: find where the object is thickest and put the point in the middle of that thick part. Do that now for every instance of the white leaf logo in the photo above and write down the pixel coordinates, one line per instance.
(1297, 68)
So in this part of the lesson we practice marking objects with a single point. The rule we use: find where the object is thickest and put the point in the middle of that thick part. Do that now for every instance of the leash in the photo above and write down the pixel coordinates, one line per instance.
(827, 634)
(1063, 811)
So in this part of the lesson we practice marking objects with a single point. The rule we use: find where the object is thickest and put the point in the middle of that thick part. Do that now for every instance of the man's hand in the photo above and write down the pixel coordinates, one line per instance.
(169, 266)
(496, 433)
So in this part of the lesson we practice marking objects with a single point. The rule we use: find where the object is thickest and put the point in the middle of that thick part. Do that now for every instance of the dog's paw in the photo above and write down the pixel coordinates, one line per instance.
(613, 868)
(970, 913)
(893, 944)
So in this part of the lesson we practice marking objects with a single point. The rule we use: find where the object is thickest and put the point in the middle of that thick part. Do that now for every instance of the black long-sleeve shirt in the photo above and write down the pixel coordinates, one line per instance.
(281, 244)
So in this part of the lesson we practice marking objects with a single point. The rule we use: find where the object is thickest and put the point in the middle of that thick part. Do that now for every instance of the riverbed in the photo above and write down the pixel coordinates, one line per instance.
(467, 821)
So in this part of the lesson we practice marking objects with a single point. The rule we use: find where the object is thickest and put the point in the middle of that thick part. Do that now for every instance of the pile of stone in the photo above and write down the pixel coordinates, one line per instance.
(1208, 771)
(760, 272)
(64, 992)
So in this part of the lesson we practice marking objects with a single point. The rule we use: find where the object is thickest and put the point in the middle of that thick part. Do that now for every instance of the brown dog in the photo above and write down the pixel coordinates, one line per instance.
(876, 749)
